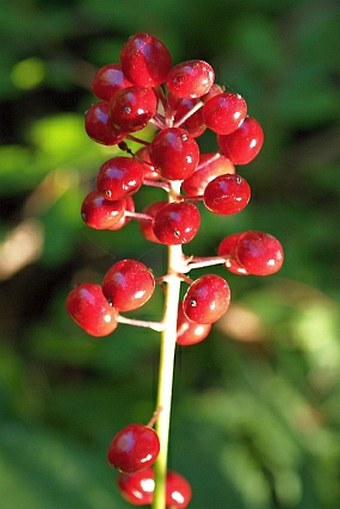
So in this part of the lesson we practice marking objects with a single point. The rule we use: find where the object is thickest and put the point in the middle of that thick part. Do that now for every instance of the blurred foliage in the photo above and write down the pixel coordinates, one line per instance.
(265, 386)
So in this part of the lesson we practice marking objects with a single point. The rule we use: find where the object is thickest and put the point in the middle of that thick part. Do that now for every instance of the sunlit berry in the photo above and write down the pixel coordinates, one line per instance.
(129, 207)
(177, 223)
(146, 227)
(145, 60)
(174, 153)
(119, 177)
(137, 488)
(206, 299)
(259, 253)
(227, 194)
(228, 248)
(133, 448)
(178, 491)
(192, 78)
(99, 213)
(225, 112)
(98, 125)
(88, 307)
(131, 108)
(128, 284)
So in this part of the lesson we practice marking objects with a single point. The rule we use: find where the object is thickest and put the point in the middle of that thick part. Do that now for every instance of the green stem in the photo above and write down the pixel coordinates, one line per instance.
(166, 369)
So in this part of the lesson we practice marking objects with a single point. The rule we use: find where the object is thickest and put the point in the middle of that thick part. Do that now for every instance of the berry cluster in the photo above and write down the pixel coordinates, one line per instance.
(181, 102)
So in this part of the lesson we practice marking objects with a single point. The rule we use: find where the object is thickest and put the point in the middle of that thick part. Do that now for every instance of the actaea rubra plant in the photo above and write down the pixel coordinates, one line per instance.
(181, 102)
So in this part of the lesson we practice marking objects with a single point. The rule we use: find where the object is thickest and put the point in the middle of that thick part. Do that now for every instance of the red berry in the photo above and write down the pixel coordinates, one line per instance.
(190, 333)
(134, 448)
(243, 145)
(128, 285)
(145, 60)
(227, 194)
(224, 113)
(206, 299)
(99, 213)
(177, 223)
(259, 253)
(88, 307)
(174, 153)
(146, 227)
(137, 488)
(178, 491)
(192, 78)
(228, 248)
(129, 207)
(131, 108)
(108, 80)
(210, 166)
(119, 177)
(98, 125)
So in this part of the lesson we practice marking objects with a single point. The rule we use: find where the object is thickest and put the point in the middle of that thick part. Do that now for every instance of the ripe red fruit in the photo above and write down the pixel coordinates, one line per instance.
(108, 80)
(150, 173)
(192, 78)
(137, 488)
(206, 299)
(118, 177)
(178, 491)
(259, 253)
(210, 166)
(99, 213)
(177, 223)
(145, 60)
(98, 125)
(174, 153)
(244, 144)
(224, 113)
(146, 227)
(227, 194)
(88, 307)
(131, 108)
(194, 124)
(128, 284)
(188, 332)
(133, 448)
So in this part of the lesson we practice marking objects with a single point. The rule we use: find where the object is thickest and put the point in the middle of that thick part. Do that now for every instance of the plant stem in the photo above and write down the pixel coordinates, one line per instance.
(166, 368)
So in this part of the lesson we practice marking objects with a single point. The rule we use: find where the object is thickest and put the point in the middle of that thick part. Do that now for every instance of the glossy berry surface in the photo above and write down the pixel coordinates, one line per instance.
(128, 284)
(177, 223)
(188, 332)
(150, 173)
(206, 299)
(99, 213)
(174, 153)
(137, 488)
(227, 194)
(224, 113)
(259, 253)
(98, 125)
(145, 60)
(146, 227)
(108, 80)
(192, 78)
(210, 166)
(178, 491)
(119, 177)
(193, 124)
(244, 144)
(131, 108)
(133, 448)
(88, 307)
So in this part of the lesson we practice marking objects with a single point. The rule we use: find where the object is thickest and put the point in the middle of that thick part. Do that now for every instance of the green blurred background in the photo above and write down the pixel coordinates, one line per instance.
(256, 416)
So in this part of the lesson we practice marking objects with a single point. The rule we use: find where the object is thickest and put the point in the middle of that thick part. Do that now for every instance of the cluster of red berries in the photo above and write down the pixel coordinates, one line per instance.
(181, 102)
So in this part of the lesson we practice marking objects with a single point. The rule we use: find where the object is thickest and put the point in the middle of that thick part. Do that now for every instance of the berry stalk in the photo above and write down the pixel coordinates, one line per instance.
(166, 368)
